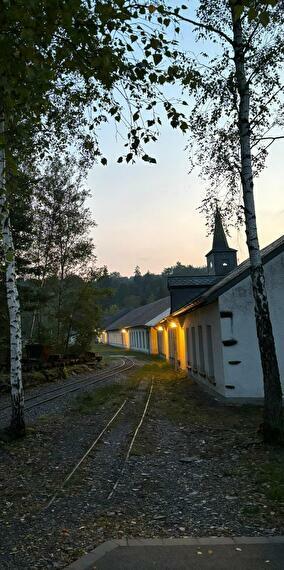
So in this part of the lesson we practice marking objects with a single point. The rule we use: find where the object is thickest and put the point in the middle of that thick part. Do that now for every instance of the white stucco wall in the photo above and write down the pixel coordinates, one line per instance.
(246, 377)
(135, 339)
(208, 315)
(115, 338)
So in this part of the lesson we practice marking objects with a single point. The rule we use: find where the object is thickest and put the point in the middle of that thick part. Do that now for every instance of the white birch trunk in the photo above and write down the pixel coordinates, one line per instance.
(273, 419)
(17, 393)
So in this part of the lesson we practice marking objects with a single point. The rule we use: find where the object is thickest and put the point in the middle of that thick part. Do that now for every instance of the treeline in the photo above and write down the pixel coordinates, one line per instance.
(130, 292)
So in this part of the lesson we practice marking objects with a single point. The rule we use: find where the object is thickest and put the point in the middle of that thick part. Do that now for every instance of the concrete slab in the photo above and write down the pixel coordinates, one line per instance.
(209, 553)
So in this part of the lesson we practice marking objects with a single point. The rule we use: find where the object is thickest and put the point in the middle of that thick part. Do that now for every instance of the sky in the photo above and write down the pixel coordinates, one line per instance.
(147, 215)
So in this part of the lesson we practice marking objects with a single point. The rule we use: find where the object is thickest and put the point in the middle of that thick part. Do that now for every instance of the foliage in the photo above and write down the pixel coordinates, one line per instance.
(61, 223)
(68, 66)
(74, 324)
(214, 117)
(130, 292)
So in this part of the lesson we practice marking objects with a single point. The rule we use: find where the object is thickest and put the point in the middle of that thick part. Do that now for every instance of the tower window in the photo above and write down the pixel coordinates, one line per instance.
(225, 264)
(211, 264)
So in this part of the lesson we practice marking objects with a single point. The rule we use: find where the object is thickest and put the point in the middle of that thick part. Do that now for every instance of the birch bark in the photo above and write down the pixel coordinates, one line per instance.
(273, 415)
(17, 394)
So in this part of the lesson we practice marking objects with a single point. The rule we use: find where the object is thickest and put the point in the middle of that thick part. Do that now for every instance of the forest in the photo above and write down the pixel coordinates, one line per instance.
(136, 290)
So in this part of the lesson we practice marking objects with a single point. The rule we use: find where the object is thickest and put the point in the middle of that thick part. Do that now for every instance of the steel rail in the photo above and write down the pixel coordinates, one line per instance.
(85, 455)
(70, 384)
(75, 386)
(132, 443)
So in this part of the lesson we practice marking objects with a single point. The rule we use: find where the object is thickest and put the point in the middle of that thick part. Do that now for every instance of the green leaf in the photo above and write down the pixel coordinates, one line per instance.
(252, 13)
(264, 18)
(157, 57)
(148, 158)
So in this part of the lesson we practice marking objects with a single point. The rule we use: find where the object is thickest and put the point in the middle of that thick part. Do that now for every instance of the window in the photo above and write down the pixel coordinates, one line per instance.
(172, 344)
(160, 342)
(188, 346)
(210, 351)
(225, 264)
(147, 341)
(194, 360)
(201, 351)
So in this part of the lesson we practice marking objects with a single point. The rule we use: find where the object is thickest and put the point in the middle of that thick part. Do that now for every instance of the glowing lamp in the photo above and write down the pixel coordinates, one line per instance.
(123, 330)
(173, 325)
(160, 328)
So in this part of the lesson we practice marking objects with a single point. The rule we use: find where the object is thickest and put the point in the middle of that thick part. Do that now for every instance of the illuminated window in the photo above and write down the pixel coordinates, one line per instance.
(201, 350)
(194, 363)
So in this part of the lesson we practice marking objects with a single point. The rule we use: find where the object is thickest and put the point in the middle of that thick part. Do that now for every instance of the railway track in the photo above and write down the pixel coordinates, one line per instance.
(97, 440)
(60, 391)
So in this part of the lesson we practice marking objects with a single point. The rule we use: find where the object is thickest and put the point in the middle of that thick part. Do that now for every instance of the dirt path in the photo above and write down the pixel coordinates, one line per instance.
(197, 468)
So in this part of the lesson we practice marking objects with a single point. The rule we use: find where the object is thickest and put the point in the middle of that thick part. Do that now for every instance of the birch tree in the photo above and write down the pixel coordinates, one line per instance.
(237, 115)
(17, 393)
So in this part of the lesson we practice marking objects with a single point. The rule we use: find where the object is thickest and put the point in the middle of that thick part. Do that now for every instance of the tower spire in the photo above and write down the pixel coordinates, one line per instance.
(219, 236)
(222, 258)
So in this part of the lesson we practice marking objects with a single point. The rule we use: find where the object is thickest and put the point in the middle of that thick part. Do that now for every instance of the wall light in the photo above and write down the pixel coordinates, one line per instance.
(123, 330)
(173, 325)
(160, 328)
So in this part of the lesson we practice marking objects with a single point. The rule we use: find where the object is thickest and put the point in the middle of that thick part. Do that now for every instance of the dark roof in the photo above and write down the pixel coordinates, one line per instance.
(234, 277)
(141, 315)
(220, 242)
(108, 319)
(192, 280)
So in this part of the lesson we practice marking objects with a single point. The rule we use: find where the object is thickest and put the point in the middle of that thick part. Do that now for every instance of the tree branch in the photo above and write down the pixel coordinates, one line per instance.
(246, 47)
(203, 26)
(253, 121)
(269, 138)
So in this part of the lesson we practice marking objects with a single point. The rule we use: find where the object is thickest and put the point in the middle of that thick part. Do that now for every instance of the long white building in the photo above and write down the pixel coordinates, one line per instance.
(137, 330)
(207, 326)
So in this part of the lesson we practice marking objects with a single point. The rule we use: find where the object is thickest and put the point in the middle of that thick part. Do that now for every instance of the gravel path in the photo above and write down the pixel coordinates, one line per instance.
(193, 472)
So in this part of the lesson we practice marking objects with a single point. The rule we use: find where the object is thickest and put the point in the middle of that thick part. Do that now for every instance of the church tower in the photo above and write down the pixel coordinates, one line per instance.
(222, 258)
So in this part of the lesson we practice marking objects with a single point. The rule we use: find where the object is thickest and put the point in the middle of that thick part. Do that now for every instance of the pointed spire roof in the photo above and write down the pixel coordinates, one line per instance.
(219, 238)
(220, 242)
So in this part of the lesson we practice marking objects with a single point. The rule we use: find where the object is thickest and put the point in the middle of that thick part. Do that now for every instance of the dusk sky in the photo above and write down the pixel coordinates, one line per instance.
(146, 214)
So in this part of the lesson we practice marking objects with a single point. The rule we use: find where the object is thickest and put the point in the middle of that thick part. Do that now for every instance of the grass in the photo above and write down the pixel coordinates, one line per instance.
(89, 402)
(158, 370)
(270, 477)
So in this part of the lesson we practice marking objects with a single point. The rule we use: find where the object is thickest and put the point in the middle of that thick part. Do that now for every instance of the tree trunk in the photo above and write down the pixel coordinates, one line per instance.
(273, 414)
(17, 393)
